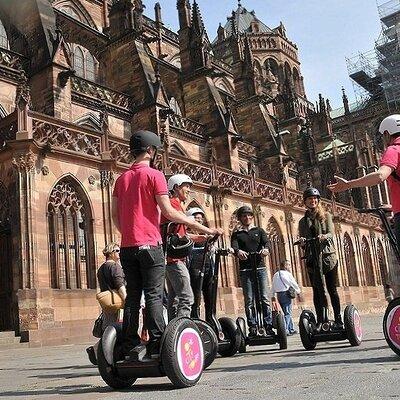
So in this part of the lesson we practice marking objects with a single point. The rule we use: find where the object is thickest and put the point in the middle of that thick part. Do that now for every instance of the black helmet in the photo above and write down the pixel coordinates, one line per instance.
(244, 210)
(141, 140)
(179, 247)
(310, 192)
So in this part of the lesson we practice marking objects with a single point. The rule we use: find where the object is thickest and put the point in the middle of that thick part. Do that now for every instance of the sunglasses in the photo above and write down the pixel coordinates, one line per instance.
(116, 251)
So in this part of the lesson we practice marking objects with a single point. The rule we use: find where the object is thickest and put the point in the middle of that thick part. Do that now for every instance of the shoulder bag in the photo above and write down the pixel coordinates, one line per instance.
(291, 291)
(110, 300)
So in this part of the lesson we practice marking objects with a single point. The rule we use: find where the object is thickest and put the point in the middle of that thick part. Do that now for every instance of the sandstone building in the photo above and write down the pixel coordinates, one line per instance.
(78, 76)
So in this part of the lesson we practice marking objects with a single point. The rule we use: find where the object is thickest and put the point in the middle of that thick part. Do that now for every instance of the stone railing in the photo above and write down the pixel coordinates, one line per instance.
(102, 94)
(64, 136)
(247, 149)
(269, 191)
(234, 181)
(12, 60)
(199, 172)
(119, 149)
(8, 128)
(186, 124)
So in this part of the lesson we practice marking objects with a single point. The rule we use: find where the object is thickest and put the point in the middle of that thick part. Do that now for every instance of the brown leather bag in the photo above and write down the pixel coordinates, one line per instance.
(110, 300)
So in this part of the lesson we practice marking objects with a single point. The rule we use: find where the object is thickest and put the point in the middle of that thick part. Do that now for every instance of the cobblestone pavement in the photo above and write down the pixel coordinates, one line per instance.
(333, 370)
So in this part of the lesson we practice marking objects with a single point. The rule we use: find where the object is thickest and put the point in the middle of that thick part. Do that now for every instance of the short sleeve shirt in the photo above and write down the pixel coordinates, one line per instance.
(391, 158)
(138, 212)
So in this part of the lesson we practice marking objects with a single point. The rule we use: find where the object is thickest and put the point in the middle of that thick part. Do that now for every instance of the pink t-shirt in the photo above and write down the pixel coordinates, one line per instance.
(391, 158)
(139, 215)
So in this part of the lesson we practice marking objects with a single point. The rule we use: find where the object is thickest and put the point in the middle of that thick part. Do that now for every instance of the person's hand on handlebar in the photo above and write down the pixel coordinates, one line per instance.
(302, 241)
(264, 252)
(322, 237)
(242, 255)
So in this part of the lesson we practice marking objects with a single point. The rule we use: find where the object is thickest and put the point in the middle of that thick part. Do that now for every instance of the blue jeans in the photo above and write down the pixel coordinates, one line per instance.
(248, 286)
(286, 303)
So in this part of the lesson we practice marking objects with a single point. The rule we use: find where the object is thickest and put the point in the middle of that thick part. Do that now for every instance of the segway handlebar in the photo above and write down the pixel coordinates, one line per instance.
(298, 242)
(377, 211)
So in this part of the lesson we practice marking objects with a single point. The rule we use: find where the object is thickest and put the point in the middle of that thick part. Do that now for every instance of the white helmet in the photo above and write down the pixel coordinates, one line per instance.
(391, 125)
(178, 179)
(193, 211)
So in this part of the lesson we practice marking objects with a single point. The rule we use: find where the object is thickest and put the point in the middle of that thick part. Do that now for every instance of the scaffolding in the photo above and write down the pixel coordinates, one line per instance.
(388, 51)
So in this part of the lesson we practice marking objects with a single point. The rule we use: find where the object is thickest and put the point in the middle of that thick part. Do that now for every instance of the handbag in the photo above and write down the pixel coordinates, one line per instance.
(291, 291)
(98, 326)
(110, 300)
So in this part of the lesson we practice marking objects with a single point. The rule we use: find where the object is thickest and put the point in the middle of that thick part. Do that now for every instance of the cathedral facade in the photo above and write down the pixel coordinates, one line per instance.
(77, 77)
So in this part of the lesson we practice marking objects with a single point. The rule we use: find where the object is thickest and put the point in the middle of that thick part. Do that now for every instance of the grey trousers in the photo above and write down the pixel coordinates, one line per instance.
(180, 293)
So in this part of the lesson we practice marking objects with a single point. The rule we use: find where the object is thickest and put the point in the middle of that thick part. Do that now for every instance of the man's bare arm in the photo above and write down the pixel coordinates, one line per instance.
(114, 213)
(178, 217)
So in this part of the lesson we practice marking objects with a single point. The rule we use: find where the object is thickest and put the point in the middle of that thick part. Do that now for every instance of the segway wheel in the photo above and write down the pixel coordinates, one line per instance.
(281, 331)
(210, 341)
(391, 325)
(106, 368)
(232, 334)
(352, 324)
(307, 319)
(241, 324)
(182, 353)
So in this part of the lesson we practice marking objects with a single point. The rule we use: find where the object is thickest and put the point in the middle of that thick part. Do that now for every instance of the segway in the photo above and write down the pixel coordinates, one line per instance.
(181, 357)
(224, 330)
(311, 333)
(391, 319)
(263, 337)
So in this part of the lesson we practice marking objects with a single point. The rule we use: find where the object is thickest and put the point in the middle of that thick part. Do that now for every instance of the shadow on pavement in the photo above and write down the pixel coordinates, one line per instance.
(83, 389)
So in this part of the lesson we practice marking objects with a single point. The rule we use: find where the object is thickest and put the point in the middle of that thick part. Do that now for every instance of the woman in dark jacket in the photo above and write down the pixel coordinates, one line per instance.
(320, 255)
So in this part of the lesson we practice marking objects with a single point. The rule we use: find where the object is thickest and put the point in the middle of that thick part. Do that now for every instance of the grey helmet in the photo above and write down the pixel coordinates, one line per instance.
(311, 192)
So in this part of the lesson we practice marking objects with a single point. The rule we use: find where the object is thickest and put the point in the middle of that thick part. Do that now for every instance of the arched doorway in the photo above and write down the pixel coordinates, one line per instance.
(71, 237)
(277, 254)
(367, 262)
(350, 261)
(7, 315)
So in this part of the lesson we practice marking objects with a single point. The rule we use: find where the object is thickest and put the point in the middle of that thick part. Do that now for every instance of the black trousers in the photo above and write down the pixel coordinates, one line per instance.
(397, 229)
(206, 290)
(319, 294)
(144, 272)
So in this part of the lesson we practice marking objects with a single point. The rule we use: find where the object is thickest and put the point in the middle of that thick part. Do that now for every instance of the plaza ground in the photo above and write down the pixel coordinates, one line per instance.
(332, 371)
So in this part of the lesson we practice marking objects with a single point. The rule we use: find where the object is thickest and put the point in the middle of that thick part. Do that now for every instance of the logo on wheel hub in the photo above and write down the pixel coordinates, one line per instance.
(393, 326)
(190, 354)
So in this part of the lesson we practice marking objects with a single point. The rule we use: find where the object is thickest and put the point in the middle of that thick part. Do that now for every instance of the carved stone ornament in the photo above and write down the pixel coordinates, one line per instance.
(289, 217)
(24, 162)
(357, 231)
(45, 170)
(91, 180)
(106, 178)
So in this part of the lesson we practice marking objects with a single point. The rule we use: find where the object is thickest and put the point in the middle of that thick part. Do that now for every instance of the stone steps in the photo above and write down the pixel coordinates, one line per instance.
(8, 340)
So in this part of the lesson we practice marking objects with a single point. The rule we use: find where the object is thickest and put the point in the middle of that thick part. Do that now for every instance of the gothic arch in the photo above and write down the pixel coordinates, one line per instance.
(177, 148)
(367, 262)
(382, 263)
(273, 64)
(90, 121)
(76, 10)
(288, 71)
(175, 60)
(296, 80)
(258, 69)
(224, 85)
(83, 62)
(4, 43)
(277, 254)
(70, 229)
(350, 261)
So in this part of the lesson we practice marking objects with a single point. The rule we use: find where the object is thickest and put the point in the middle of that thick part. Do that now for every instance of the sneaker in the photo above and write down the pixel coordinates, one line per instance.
(253, 331)
(153, 350)
(92, 355)
(270, 330)
(293, 332)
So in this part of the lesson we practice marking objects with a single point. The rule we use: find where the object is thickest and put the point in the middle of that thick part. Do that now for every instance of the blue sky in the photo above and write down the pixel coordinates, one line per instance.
(326, 31)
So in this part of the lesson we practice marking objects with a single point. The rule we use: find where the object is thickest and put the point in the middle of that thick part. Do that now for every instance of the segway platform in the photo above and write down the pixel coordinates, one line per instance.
(310, 335)
(181, 357)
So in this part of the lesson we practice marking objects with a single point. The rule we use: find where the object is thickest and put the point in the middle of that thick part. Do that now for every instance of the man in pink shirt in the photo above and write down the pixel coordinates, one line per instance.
(389, 169)
(140, 195)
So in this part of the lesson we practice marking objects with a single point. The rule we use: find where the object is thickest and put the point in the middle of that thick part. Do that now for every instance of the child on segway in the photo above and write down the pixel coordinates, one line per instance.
(250, 244)
(316, 232)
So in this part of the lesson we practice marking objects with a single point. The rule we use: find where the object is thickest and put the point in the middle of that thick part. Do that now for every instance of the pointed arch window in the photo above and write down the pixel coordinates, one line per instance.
(70, 238)
(383, 269)
(71, 12)
(367, 261)
(85, 64)
(277, 254)
(3, 37)
(350, 261)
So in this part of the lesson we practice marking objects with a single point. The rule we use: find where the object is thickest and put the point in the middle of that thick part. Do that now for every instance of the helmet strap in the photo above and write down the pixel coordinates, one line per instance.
(153, 158)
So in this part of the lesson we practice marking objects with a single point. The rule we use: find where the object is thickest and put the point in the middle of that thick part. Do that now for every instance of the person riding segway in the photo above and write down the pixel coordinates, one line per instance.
(316, 232)
(204, 267)
(176, 350)
(250, 245)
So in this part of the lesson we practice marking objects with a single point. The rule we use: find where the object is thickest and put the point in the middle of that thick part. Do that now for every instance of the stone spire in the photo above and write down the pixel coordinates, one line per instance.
(183, 7)
(197, 20)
